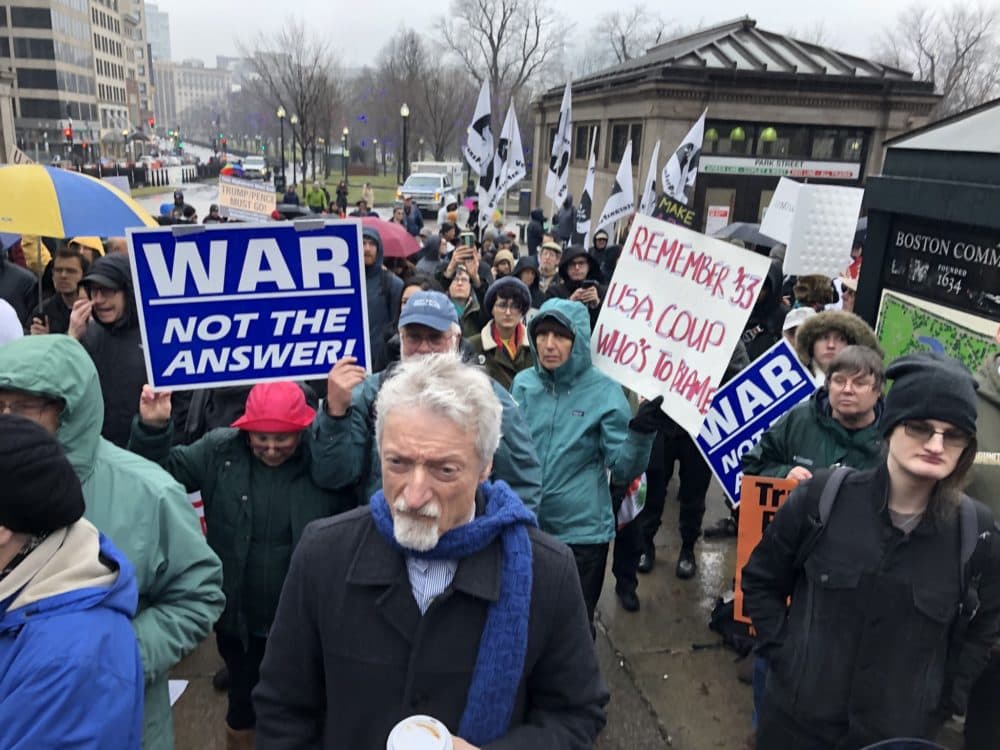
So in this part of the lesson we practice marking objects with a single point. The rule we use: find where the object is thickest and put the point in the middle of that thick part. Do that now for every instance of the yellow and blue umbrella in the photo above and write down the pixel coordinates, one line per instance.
(53, 202)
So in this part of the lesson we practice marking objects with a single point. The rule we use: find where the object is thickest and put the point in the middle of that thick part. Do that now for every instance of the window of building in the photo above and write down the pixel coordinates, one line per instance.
(621, 134)
(725, 138)
(782, 141)
(34, 49)
(30, 18)
(32, 78)
(582, 135)
(40, 108)
(4, 46)
(3, 15)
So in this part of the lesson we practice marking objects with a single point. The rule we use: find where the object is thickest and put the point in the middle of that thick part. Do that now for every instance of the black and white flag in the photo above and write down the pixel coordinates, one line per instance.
(557, 182)
(682, 168)
(647, 200)
(621, 202)
(478, 148)
(506, 169)
(585, 211)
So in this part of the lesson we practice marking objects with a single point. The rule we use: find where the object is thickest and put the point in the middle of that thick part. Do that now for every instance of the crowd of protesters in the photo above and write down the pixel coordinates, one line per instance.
(431, 535)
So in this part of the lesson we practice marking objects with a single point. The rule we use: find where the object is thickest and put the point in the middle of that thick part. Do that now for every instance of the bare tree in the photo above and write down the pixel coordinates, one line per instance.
(957, 49)
(292, 69)
(503, 41)
(630, 32)
(445, 106)
(816, 33)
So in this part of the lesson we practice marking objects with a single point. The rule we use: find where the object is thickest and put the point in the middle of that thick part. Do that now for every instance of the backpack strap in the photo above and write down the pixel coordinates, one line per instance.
(821, 493)
(975, 524)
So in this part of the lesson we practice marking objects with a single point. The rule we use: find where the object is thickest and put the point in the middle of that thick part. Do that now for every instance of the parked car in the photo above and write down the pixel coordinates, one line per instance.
(430, 192)
(255, 168)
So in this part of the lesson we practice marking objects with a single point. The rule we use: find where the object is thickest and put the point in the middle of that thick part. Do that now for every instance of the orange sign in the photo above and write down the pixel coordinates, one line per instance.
(760, 498)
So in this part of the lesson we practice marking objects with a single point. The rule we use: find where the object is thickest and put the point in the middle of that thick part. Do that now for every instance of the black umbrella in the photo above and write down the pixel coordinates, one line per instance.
(746, 233)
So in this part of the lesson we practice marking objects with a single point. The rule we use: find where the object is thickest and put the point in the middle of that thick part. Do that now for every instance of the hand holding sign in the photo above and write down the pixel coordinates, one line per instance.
(344, 375)
(154, 407)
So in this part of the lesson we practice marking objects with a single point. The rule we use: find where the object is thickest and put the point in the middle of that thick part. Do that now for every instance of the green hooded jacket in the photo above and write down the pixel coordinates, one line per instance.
(810, 437)
(578, 419)
(985, 474)
(137, 505)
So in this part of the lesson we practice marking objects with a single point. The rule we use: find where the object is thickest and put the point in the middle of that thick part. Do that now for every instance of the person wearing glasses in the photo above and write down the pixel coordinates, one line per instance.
(837, 426)
(581, 281)
(882, 636)
(502, 346)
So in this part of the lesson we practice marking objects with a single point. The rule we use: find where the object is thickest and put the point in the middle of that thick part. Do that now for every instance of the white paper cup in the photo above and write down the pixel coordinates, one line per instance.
(419, 733)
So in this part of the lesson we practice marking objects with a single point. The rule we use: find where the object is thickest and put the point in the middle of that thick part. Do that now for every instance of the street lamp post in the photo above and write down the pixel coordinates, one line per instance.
(404, 112)
(294, 120)
(124, 147)
(421, 153)
(281, 119)
(375, 157)
(326, 162)
(344, 153)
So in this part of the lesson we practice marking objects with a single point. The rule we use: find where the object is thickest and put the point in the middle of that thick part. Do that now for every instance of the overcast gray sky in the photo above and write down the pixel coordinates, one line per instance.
(358, 29)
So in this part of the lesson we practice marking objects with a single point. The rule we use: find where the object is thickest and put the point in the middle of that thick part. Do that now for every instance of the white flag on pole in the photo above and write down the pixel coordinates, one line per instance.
(621, 202)
(585, 211)
(478, 148)
(682, 168)
(648, 199)
(513, 157)
(506, 168)
(557, 182)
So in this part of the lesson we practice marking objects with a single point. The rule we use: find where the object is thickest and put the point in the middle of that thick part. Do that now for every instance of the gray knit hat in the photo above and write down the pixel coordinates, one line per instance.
(509, 287)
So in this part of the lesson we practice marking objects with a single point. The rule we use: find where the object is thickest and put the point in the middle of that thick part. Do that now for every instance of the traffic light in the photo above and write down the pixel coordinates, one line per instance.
(152, 122)
(68, 133)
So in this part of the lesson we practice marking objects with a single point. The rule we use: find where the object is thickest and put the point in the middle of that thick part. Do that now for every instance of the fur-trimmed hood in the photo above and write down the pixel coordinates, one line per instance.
(855, 330)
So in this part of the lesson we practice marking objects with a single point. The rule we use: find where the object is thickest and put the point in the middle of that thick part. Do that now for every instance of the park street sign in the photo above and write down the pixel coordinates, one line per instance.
(241, 304)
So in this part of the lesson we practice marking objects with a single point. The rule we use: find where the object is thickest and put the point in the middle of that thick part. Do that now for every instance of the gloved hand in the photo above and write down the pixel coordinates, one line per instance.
(650, 417)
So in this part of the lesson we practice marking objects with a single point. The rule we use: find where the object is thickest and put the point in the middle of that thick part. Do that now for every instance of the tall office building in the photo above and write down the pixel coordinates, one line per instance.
(158, 26)
(80, 65)
(191, 96)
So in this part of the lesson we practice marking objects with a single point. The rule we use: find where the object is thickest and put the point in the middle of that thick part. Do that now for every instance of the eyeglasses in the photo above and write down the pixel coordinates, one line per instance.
(579, 262)
(23, 408)
(924, 432)
(842, 381)
(508, 306)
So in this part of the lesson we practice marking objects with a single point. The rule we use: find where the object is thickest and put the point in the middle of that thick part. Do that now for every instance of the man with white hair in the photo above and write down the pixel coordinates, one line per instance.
(440, 598)
(342, 450)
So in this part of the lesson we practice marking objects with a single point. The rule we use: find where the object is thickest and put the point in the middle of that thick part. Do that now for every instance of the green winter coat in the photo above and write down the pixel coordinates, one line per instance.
(137, 505)
(255, 514)
(579, 421)
(344, 454)
(985, 475)
(809, 436)
(496, 359)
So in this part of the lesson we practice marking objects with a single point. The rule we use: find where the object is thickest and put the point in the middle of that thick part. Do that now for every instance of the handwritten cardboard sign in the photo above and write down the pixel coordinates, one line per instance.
(762, 496)
(245, 200)
(673, 313)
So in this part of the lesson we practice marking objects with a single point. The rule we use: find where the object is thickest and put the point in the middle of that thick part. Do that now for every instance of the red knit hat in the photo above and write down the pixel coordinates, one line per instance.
(276, 407)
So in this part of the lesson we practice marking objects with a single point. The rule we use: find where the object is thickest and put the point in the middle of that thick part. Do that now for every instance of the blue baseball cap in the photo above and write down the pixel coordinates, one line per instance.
(431, 309)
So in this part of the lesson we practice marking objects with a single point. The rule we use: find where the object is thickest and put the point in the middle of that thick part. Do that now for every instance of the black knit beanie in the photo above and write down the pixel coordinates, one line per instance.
(40, 491)
(928, 385)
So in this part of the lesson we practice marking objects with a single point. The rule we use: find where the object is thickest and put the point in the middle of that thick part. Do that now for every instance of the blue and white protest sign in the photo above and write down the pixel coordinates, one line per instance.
(748, 405)
(239, 304)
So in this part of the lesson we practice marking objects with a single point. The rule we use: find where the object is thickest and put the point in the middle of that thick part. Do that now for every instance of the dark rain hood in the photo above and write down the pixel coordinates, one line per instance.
(593, 272)
(538, 214)
(527, 261)
(375, 268)
(117, 269)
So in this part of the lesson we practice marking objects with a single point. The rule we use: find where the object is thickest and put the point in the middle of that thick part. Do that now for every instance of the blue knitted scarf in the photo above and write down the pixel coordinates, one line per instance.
(500, 661)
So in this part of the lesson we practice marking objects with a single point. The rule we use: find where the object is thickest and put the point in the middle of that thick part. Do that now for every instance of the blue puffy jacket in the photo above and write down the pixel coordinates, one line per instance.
(578, 419)
(70, 671)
